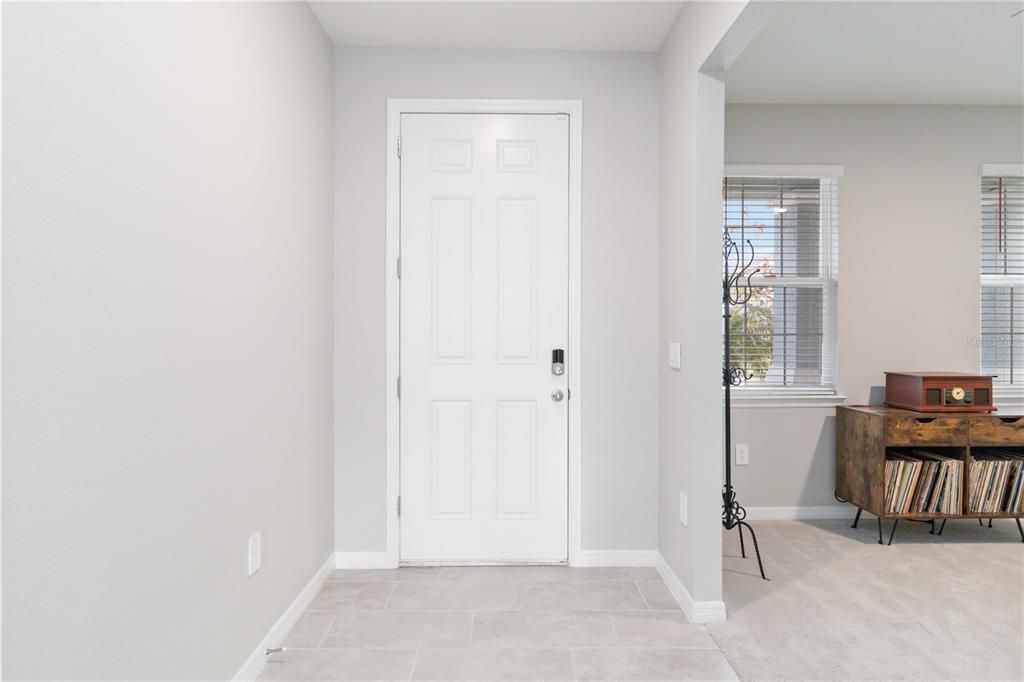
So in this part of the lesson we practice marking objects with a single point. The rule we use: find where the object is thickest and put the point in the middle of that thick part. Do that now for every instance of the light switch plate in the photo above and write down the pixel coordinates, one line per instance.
(742, 454)
(675, 355)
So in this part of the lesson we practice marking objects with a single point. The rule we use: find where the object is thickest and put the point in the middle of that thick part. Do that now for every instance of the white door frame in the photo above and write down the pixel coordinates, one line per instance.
(397, 107)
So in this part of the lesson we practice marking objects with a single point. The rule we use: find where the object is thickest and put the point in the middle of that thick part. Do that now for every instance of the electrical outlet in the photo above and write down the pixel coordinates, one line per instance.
(742, 455)
(682, 509)
(255, 552)
(675, 355)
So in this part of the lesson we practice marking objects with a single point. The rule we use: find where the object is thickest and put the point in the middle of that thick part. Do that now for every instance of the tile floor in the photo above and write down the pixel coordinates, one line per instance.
(838, 607)
(497, 623)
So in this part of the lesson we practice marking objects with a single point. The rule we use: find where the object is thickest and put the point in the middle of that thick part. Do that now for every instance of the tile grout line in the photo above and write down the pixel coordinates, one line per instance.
(596, 609)
(415, 661)
(330, 626)
(643, 596)
(632, 647)
(388, 600)
(615, 630)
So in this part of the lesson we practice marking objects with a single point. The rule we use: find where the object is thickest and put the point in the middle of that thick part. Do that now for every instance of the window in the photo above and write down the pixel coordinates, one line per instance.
(1002, 277)
(784, 336)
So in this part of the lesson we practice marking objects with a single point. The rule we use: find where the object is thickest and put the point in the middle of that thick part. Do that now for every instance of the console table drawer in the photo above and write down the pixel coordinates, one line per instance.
(992, 430)
(912, 430)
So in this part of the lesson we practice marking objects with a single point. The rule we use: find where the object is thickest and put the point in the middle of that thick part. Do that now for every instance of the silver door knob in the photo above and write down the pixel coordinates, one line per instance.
(557, 395)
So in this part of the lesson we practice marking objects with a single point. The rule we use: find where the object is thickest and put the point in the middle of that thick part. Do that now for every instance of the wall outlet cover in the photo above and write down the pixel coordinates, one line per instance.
(742, 454)
(675, 355)
(682, 510)
(255, 552)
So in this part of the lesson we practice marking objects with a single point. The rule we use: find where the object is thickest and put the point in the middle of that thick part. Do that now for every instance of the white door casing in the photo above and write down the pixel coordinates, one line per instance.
(484, 300)
(389, 557)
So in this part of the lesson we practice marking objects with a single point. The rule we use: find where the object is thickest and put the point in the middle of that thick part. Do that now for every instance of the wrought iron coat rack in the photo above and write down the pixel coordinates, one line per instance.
(736, 291)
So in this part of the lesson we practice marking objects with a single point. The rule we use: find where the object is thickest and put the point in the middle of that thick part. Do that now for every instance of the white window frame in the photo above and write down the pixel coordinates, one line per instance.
(800, 396)
(1003, 396)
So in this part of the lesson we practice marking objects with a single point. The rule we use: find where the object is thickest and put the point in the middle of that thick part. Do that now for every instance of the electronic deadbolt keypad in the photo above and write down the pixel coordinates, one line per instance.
(557, 362)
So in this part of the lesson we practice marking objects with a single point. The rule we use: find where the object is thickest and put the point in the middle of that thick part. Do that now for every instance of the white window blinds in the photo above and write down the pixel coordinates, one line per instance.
(784, 336)
(1002, 278)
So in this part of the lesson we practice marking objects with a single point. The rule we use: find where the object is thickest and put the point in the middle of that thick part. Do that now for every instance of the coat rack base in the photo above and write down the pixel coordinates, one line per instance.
(733, 516)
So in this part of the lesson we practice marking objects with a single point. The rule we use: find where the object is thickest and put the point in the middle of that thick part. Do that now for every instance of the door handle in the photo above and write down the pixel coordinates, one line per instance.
(557, 395)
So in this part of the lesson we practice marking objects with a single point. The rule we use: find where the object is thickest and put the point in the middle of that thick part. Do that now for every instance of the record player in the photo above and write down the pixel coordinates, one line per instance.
(939, 391)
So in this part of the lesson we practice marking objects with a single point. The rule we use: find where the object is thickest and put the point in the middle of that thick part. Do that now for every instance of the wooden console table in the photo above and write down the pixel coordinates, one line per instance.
(864, 434)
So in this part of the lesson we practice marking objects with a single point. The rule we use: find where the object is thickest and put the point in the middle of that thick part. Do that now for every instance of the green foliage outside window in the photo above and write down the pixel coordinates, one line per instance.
(751, 328)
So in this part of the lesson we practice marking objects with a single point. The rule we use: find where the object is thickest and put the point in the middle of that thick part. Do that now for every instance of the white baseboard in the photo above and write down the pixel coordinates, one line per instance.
(616, 557)
(254, 665)
(832, 511)
(696, 611)
(364, 560)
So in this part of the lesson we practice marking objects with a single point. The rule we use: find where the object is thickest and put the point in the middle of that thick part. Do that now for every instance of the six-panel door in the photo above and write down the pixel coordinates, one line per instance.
(484, 301)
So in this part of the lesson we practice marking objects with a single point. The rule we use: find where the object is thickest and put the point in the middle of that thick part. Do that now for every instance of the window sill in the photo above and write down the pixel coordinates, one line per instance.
(785, 398)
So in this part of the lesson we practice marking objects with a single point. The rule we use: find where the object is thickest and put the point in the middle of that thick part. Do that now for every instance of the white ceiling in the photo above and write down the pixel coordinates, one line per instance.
(618, 26)
(884, 52)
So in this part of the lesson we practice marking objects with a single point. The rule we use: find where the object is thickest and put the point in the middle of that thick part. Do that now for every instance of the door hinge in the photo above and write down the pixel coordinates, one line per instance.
(399, 505)
(398, 267)
(399, 146)
(399, 388)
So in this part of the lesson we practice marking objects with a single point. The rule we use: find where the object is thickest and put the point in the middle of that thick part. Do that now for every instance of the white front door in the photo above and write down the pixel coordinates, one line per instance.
(484, 302)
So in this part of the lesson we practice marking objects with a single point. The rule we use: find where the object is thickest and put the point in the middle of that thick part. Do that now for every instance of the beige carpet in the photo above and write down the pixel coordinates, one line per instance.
(839, 606)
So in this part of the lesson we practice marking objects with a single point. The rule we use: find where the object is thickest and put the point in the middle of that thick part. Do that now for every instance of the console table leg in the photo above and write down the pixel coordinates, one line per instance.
(895, 523)
(743, 550)
(856, 519)
(880, 531)
(1020, 529)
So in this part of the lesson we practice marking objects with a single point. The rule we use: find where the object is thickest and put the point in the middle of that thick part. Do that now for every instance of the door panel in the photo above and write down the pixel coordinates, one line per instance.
(484, 300)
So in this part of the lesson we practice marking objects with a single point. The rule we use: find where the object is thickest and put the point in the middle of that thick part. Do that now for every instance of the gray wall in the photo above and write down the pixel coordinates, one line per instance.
(167, 319)
(691, 166)
(909, 235)
(620, 270)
